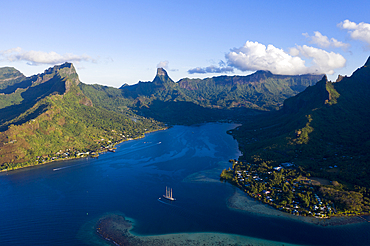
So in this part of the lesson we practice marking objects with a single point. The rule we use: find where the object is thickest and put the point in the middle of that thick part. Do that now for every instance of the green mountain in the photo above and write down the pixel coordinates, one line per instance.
(162, 87)
(190, 101)
(323, 123)
(324, 131)
(52, 119)
(49, 113)
(18, 101)
(320, 127)
(9, 76)
(261, 90)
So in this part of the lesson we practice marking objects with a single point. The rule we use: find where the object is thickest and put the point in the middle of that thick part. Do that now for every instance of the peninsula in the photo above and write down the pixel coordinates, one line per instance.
(310, 158)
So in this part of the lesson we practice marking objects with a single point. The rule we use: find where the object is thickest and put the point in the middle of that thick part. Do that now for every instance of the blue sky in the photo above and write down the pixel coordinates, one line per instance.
(117, 42)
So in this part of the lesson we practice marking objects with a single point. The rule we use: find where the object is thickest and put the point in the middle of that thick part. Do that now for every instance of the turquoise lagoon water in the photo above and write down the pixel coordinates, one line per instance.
(48, 205)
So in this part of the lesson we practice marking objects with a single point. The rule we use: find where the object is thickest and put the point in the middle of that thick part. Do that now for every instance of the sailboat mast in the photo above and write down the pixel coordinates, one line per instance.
(169, 194)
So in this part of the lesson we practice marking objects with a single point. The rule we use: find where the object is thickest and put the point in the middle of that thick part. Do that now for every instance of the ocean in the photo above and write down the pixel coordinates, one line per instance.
(52, 204)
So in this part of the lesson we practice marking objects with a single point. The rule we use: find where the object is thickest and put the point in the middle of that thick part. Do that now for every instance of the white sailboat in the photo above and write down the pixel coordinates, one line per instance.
(169, 194)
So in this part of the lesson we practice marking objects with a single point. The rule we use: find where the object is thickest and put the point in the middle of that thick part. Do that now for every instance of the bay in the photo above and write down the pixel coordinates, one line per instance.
(52, 204)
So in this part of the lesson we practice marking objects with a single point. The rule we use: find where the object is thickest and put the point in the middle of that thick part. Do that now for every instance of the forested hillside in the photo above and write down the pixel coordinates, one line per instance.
(192, 101)
(320, 132)
(54, 120)
(53, 114)
(324, 132)
(261, 90)
(9, 76)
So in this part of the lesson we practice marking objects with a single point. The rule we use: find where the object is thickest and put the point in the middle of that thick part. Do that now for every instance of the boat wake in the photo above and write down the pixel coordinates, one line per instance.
(60, 168)
(167, 203)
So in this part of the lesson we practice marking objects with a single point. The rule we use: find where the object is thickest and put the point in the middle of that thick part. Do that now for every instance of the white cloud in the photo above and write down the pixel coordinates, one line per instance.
(324, 42)
(322, 61)
(255, 56)
(359, 31)
(163, 64)
(41, 57)
(221, 68)
(211, 69)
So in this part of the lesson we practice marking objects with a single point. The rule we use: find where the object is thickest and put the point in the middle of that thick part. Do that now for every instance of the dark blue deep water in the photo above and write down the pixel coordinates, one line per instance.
(50, 204)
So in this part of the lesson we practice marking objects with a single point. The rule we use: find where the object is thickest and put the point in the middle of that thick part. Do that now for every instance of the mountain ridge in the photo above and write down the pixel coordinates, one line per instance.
(218, 98)
(323, 129)
(319, 143)
(9, 76)
(54, 120)
(261, 90)
(316, 128)
(29, 91)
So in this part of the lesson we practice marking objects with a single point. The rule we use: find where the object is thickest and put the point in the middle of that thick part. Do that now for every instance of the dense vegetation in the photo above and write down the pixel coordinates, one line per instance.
(52, 115)
(191, 101)
(290, 188)
(9, 76)
(261, 90)
(62, 123)
(325, 132)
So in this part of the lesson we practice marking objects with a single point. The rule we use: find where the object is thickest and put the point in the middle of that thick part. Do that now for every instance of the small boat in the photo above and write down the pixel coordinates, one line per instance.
(168, 195)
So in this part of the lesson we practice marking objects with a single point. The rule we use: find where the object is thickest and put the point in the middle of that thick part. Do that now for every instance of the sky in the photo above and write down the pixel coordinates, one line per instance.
(116, 42)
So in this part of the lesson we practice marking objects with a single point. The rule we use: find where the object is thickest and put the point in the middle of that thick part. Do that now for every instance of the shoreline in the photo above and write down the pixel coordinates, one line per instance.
(241, 202)
(88, 156)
